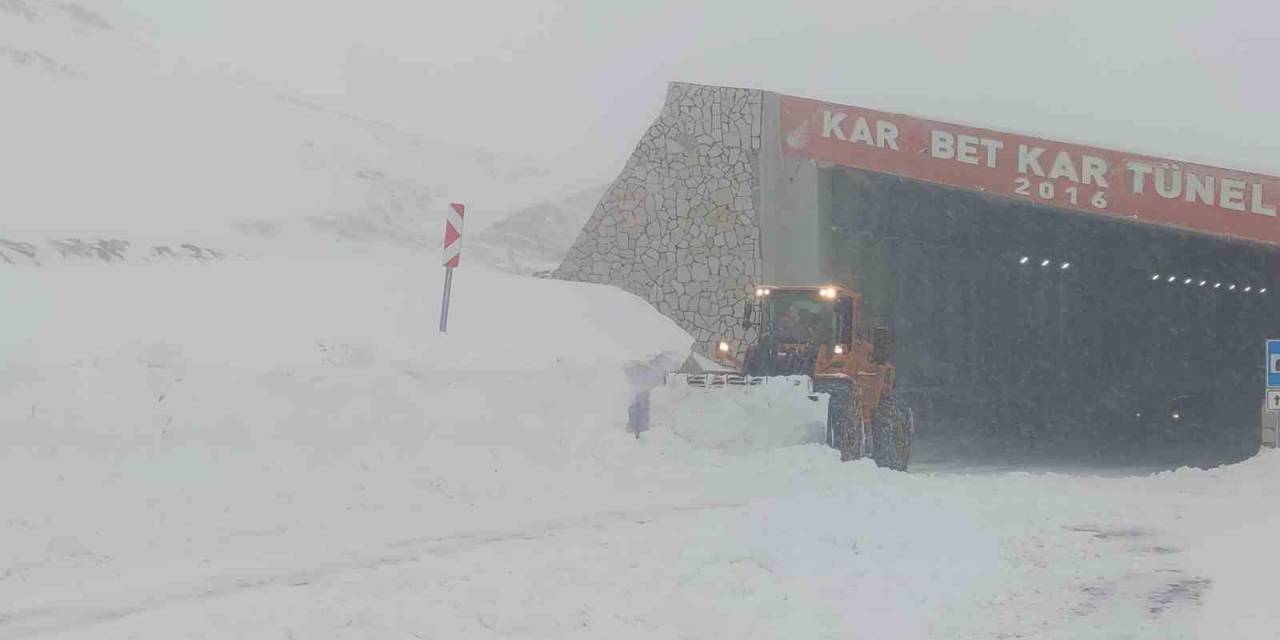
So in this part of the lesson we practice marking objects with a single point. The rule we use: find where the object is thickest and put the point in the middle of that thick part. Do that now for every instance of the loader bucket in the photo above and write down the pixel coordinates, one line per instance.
(739, 414)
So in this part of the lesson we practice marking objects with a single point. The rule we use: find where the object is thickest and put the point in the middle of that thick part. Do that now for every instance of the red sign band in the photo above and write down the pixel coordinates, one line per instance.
(1100, 181)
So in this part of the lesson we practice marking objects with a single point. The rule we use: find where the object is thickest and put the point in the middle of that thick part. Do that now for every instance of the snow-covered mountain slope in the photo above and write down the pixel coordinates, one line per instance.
(536, 238)
(107, 137)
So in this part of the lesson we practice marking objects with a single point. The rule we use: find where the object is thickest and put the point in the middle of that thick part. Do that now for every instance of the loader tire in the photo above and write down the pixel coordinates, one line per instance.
(891, 426)
(844, 425)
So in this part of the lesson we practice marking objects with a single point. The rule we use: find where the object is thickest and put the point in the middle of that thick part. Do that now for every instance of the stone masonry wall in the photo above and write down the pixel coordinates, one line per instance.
(679, 226)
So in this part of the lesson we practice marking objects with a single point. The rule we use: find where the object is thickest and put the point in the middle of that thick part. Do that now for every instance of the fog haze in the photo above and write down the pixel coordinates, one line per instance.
(573, 84)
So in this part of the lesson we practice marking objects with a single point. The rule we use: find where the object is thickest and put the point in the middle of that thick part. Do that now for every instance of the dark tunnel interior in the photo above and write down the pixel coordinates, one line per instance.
(1097, 361)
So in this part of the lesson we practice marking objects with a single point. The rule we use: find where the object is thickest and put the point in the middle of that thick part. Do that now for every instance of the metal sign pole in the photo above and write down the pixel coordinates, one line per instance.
(444, 304)
(1271, 406)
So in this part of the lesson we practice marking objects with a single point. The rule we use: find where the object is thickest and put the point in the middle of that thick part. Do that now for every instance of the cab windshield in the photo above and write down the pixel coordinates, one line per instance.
(801, 317)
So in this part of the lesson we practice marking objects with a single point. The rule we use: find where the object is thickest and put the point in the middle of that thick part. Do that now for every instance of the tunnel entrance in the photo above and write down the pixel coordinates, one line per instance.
(1033, 333)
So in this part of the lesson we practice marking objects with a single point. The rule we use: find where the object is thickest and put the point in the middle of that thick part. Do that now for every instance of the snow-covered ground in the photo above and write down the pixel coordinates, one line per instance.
(286, 447)
(225, 412)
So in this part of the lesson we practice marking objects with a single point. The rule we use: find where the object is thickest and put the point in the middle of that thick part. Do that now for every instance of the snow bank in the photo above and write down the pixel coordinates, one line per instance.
(152, 412)
(262, 313)
(1239, 549)
(781, 412)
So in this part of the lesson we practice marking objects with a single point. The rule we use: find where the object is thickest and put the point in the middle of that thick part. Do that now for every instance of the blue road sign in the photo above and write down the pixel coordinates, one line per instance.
(1273, 363)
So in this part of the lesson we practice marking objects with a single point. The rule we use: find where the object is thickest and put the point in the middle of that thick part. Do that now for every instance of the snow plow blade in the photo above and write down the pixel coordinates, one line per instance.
(738, 413)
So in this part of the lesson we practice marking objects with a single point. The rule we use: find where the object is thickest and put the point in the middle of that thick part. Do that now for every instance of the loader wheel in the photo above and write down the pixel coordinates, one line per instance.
(844, 431)
(891, 425)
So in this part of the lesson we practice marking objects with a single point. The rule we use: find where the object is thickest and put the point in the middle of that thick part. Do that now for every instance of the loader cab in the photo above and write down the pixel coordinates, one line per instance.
(809, 315)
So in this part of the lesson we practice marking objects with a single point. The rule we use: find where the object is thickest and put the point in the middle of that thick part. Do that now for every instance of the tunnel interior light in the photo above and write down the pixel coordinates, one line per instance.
(724, 346)
(1045, 262)
(1237, 287)
(1024, 260)
(1065, 265)
(1176, 415)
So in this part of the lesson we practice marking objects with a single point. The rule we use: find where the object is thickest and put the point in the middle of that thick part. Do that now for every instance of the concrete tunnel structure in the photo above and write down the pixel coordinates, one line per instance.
(1047, 299)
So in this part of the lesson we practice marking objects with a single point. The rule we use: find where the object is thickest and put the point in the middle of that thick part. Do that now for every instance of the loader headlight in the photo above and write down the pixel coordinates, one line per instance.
(827, 292)
(724, 346)
(838, 349)
(762, 292)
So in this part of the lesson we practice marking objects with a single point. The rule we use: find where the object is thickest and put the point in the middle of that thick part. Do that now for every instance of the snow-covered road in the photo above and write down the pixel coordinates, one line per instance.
(996, 556)
(234, 451)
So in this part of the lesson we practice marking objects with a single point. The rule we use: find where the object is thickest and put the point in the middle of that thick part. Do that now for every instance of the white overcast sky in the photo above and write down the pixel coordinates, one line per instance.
(574, 84)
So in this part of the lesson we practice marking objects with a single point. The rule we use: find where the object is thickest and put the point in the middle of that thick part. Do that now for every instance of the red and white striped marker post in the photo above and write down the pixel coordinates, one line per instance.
(452, 257)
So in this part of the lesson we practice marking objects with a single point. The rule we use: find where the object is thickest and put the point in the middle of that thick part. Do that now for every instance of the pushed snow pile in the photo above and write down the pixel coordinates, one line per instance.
(781, 411)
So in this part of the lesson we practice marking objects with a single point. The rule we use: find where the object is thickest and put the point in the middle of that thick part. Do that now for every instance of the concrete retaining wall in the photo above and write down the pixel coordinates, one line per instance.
(680, 227)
